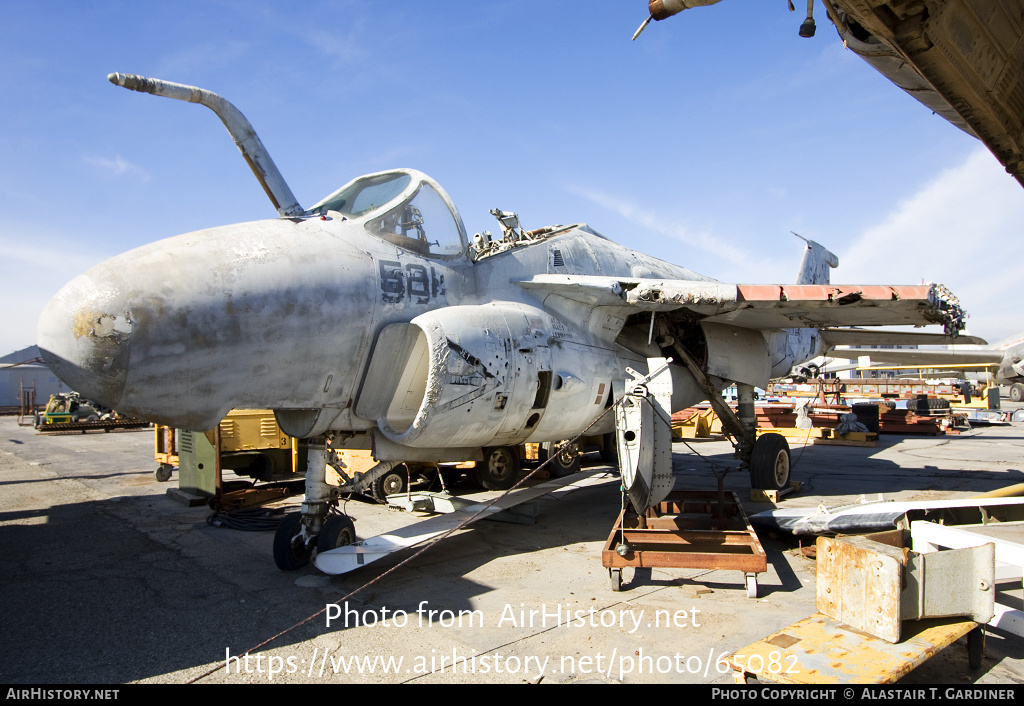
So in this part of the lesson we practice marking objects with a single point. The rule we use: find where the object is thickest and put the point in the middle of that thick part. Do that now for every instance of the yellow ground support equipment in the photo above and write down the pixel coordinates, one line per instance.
(247, 442)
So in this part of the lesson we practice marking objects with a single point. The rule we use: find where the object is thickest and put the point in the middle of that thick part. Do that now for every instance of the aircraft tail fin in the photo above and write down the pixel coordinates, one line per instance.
(814, 268)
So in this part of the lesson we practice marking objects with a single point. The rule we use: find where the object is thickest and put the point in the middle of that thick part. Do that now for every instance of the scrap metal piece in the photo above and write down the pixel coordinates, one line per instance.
(874, 587)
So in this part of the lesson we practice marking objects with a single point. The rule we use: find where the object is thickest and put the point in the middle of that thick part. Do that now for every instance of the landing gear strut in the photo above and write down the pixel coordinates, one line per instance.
(311, 528)
(767, 457)
(297, 534)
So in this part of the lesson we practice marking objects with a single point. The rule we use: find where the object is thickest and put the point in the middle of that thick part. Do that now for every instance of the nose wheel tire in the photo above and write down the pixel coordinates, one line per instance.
(499, 469)
(770, 462)
(338, 531)
(290, 552)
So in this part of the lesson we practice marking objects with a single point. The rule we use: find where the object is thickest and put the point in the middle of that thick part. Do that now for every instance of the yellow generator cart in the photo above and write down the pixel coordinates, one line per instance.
(247, 442)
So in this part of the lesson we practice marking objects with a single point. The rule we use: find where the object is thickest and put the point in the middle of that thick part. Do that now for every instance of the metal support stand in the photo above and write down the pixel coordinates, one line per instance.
(689, 530)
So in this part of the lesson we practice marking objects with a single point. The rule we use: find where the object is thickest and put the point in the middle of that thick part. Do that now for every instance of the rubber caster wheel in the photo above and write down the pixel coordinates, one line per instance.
(163, 472)
(615, 579)
(751, 582)
(290, 551)
(770, 462)
(499, 469)
(338, 531)
(976, 646)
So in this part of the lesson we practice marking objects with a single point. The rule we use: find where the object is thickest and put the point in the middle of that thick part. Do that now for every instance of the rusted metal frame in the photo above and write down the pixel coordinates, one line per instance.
(660, 542)
(709, 523)
(689, 560)
(694, 501)
(238, 499)
(673, 535)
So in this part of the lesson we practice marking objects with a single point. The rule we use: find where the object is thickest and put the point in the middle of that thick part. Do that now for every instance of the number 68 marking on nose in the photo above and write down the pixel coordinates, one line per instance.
(418, 282)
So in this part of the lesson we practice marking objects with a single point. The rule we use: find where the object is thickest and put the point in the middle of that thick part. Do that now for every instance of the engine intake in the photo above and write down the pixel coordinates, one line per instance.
(484, 375)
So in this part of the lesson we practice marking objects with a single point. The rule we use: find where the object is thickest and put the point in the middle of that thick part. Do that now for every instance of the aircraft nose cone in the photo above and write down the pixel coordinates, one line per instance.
(84, 337)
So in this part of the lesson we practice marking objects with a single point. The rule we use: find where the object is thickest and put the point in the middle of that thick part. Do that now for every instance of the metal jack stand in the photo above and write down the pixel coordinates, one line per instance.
(688, 529)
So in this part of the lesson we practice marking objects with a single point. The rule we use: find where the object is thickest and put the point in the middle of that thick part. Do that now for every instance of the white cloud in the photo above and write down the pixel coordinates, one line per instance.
(658, 223)
(116, 167)
(963, 229)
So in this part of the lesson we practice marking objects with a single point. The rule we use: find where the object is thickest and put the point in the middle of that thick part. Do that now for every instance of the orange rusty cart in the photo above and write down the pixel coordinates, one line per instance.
(688, 530)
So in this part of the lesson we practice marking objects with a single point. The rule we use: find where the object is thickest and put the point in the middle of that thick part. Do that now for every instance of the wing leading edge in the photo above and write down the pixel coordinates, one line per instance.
(764, 306)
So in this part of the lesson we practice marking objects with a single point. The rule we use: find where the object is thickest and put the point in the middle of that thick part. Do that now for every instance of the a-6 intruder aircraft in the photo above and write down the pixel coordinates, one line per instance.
(370, 321)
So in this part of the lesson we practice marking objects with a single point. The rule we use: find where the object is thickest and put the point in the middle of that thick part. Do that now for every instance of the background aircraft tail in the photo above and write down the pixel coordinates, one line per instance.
(814, 268)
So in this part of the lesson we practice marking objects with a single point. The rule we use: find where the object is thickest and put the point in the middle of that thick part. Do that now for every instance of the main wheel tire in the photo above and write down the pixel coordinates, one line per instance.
(338, 531)
(290, 555)
(1016, 392)
(930, 404)
(770, 462)
(391, 483)
(499, 469)
(565, 463)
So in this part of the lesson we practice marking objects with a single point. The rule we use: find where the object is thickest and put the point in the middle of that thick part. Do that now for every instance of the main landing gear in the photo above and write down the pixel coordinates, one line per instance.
(766, 457)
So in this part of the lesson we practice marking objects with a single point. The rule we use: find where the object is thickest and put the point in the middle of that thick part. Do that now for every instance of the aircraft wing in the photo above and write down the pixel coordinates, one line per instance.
(958, 57)
(919, 357)
(869, 337)
(763, 306)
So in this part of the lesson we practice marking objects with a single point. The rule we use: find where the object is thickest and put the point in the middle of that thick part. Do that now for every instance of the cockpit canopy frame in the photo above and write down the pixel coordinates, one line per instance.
(404, 207)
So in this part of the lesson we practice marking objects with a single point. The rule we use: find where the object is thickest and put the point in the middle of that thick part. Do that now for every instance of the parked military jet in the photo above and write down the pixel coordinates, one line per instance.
(1004, 360)
(370, 321)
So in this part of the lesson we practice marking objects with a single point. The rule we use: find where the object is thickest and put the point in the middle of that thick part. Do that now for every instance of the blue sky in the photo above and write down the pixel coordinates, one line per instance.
(704, 142)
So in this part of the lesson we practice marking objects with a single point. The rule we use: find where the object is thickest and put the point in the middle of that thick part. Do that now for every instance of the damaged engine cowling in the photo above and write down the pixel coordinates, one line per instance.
(484, 375)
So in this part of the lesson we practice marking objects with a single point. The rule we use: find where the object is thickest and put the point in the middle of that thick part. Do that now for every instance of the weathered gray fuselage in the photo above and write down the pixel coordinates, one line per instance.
(315, 317)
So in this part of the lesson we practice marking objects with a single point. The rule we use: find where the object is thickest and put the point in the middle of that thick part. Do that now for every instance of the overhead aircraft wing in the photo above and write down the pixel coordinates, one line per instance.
(960, 58)
(763, 306)
(871, 337)
(924, 357)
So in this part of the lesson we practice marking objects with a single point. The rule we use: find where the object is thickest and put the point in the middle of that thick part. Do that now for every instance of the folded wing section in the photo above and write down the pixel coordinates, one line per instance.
(764, 306)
